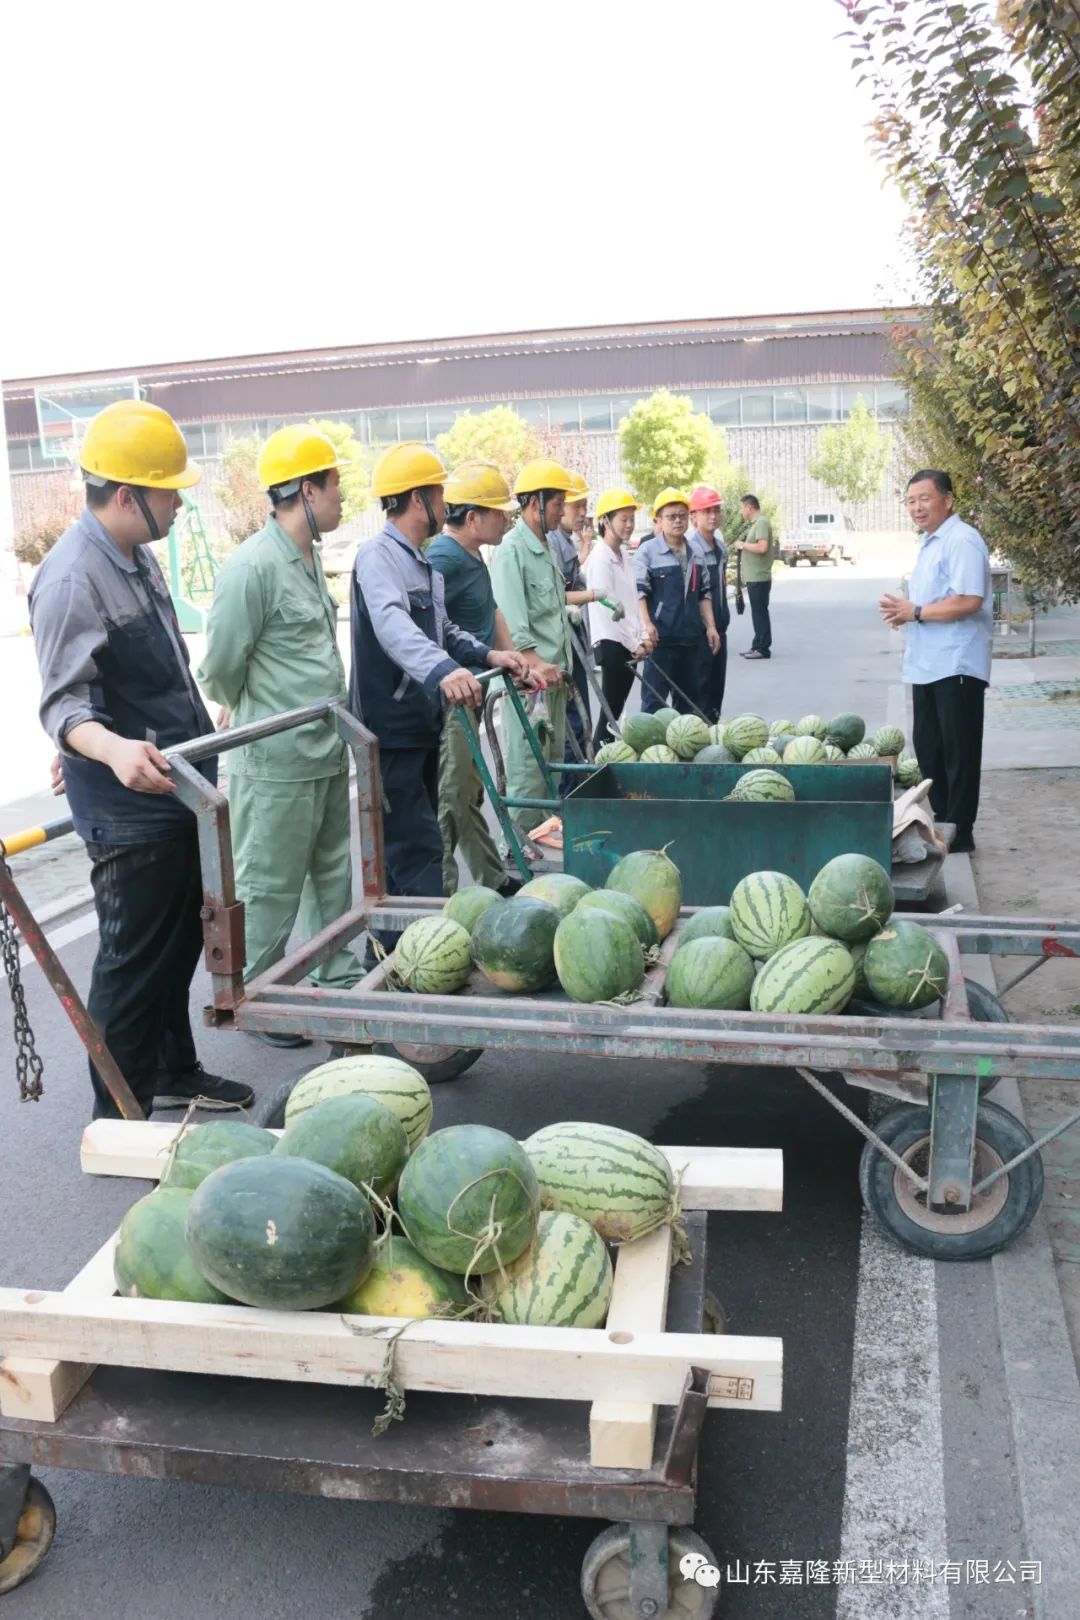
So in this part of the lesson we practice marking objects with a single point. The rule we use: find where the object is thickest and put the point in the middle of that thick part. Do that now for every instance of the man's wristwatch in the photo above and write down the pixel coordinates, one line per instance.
(917, 614)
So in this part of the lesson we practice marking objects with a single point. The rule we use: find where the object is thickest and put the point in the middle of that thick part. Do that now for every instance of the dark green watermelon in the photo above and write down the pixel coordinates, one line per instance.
(353, 1134)
(513, 944)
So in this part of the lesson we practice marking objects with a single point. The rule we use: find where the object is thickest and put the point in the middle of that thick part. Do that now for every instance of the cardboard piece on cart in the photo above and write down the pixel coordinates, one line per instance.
(914, 833)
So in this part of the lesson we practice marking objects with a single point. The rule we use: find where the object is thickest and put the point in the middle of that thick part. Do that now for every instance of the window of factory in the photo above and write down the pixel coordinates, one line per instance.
(757, 407)
(596, 415)
(725, 407)
(823, 400)
(383, 426)
(413, 424)
(891, 401)
(440, 419)
(791, 405)
(564, 414)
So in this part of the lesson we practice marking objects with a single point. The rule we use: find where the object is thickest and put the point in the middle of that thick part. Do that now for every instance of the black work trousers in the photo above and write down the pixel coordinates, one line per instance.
(948, 735)
(578, 722)
(713, 678)
(148, 898)
(411, 837)
(759, 591)
(616, 681)
(677, 661)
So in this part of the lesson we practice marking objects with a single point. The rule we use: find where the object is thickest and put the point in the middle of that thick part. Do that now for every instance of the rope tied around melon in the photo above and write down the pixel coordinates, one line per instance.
(925, 979)
(863, 907)
(488, 1240)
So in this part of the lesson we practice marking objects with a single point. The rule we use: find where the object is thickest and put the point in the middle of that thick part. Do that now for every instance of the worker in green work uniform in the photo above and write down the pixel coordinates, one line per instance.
(271, 644)
(478, 502)
(531, 593)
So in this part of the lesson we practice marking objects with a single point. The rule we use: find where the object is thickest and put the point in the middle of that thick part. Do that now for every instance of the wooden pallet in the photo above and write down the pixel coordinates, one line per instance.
(57, 1338)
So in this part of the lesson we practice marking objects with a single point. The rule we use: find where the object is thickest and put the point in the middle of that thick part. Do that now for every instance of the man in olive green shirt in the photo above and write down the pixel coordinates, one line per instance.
(759, 551)
(531, 594)
(271, 644)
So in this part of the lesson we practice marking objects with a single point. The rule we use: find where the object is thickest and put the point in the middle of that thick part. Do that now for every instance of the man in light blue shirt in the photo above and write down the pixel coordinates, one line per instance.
(950, 631)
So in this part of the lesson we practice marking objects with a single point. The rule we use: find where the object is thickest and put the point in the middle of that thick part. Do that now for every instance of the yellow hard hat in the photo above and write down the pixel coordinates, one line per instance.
(132, 442)
(615, 500)
(578, 490)
(670, 497)
(410, 465)
(541, 474)
(478, 483)
(293, 453)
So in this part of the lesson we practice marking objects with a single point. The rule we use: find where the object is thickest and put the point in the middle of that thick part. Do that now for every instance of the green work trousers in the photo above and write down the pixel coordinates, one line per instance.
(461, 808)
(292, 858)
(523, 778)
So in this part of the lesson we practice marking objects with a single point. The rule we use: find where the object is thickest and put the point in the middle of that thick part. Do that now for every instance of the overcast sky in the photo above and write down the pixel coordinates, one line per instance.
(187, 181)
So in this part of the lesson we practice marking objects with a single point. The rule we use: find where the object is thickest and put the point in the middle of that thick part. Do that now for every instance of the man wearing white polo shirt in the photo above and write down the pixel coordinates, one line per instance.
(950, 630)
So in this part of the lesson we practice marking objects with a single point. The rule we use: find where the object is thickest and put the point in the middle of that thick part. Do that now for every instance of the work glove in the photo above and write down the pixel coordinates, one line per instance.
(616, 609)
(573, 613)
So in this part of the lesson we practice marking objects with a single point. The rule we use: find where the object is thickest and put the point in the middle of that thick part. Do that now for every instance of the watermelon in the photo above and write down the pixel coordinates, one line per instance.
(659, 754)
(710, 973)
(615, 753)
(624, 906)
(597, 957)
(888, 740)
(715, 754)
(687, 736)
(833, 753)
(397, 1085)
(469, 1199)
(653, 880)
(280, 1233)
(151, 1259)
(711, 922)
(778, 726)
(354, 1135)
(761, 756)
(846, 731)
(467, 906)
(559, 889)
(908, 771)
(402, 1283)
(768, 911)
(718, 734)
(812, 975)
(805, 750)
(513, 944)
(564, 1278)
(665, 716)
(208, 1147)
(618, 1182)
(760, 786)
(746, 731)
(857, 949)
(811, 725)
(905, 967)
(852, 897)
(432, 956)
(641, 731)
(862, 751)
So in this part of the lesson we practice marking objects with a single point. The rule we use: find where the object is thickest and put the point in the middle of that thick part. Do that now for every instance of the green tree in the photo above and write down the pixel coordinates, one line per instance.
(851, 456)
(977, 108)
(499, 435)
(663, 441)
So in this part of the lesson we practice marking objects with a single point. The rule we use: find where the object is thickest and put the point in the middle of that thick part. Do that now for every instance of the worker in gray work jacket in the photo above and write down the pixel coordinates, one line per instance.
(409, 661)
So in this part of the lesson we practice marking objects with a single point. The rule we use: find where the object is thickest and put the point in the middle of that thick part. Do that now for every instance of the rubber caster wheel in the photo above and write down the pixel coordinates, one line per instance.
(33, 1538)
(996, 1216)
(437, 1064)
(605, 1578)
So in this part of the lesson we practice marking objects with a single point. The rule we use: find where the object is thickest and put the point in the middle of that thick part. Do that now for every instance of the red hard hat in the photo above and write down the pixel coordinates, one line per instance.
(704, 497)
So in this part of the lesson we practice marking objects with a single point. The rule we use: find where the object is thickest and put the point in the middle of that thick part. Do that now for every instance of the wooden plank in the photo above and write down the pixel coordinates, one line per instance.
(43, 1389)
(579, 1364)
(622, 1434)
(712, 1177)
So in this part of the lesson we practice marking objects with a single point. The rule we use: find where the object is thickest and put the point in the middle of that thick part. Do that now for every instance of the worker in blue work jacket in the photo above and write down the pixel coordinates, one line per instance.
(409, 661)
(706, 511)
(674, 603)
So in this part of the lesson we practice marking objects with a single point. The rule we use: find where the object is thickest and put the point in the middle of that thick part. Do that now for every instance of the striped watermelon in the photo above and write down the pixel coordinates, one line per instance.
(715, 973)
(814, 975)
(469, 1199)
(402, 1283)
(467, 906)
(665, 716)
(353, 1135)
(905, 967)
(711, 922)
(846, 731)
(715, 754)
(778, 726)
(687, 736)
(768, 911)
(718, 734)
(805, 750)
(432, 956)
(615, 753)
(559, 889)
(862, 750)
(851, 897)
(659, 754)
(811, 725)
(395, 1084)
(618, 1182)
(627, 909)
(908, 771)
(888, 740)
(833, 753)
(746, 731)
(653, 880)
(564, 1279)
(641, 731)
(761, 756)
(597, 957)
(761, 786)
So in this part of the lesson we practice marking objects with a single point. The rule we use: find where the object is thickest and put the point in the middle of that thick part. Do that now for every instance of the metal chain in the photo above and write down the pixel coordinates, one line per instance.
(28, 1065)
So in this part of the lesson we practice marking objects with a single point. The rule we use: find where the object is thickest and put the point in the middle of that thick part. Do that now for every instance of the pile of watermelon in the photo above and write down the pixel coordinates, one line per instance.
(667, 738)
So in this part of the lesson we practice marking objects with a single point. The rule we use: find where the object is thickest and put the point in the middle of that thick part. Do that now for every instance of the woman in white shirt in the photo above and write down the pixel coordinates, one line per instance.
(615, 624)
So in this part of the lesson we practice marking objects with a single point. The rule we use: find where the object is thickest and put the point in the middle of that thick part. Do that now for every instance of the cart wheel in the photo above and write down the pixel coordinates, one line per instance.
(33, 1537)
(605, 1578)
(985, 1008)
(996, 1217)
(435, 1063)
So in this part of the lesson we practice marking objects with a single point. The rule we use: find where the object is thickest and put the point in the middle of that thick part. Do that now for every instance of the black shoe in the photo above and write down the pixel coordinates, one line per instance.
(273, 1037)
(962, 844)
(213, 1093)
(510, 887)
